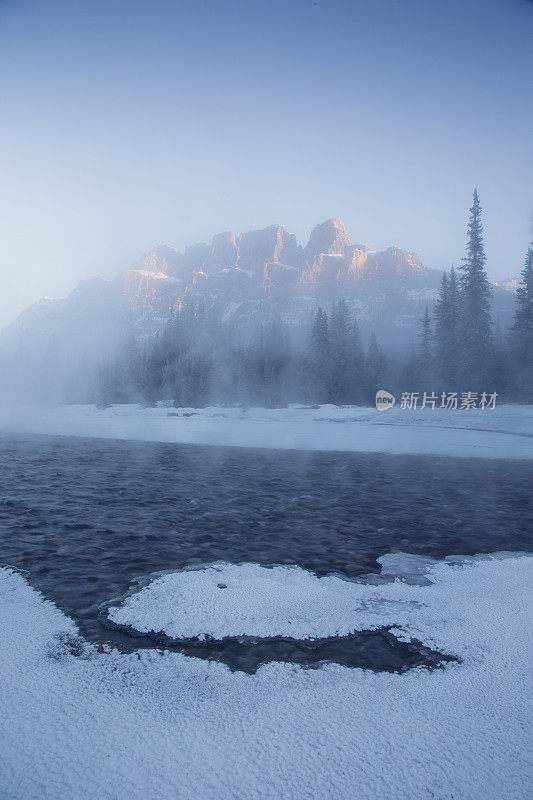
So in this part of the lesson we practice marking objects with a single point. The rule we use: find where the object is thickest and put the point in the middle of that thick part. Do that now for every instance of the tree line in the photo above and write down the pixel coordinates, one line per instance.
(199, 360)
(460, 349)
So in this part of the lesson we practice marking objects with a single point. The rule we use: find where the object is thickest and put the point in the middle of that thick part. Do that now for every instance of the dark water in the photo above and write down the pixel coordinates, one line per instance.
(85, 517)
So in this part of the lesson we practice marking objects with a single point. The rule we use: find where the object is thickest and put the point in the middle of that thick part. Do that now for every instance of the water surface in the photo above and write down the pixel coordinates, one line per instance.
(85, 517)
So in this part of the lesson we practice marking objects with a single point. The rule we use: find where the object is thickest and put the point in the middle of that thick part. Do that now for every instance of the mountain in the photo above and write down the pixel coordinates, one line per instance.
(509, 284)
(251, 278)
(269, 263)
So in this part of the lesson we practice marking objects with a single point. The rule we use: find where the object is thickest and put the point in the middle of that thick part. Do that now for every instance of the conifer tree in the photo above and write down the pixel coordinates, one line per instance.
(441, 315)
(409, 374)
(374, 369)
(521, 338)
(357, 365)
(339, 365)
(319, 356)
(476, 339)
(425, 353)
(446, 316)
(454, 319)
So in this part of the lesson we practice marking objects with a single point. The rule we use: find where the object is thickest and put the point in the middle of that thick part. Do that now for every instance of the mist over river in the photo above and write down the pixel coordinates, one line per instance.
(85, 517)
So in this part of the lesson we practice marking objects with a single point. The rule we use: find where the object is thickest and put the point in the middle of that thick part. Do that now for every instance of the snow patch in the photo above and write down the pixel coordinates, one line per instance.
(506, 432)
(78, 723)
(229, 600)
(224, 599)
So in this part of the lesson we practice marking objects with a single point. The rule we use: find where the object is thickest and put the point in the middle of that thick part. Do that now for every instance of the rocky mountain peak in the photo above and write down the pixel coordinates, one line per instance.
(328, 238)
(257, 248)
(161, 258)
(224, 250)
(256, 276)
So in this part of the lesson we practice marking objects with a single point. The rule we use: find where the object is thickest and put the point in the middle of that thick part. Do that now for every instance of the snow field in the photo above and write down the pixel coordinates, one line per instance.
(150, 725)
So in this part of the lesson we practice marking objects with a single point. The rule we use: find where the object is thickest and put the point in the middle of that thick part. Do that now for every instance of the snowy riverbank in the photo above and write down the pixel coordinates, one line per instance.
(505, 432)
(77, 723)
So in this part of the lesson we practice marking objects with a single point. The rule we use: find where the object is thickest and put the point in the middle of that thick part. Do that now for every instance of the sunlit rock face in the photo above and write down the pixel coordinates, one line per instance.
(151, 292)
(224, 251)
(328, 238)
(162, 259)
(269, 263)
(279, 280)
(336, 267)
(385, 266)
(273, 244)
(256, 277)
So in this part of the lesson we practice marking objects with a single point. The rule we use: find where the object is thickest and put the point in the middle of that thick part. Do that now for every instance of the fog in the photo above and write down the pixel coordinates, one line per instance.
(127, 127)
(265, 502)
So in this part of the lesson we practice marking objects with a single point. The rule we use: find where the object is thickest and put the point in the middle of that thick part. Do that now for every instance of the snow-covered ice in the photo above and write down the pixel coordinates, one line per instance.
(149, 725)
(505, 432)
(223, 599)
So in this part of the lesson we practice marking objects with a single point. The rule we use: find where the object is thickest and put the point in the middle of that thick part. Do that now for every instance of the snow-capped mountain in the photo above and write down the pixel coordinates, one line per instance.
(251, 278)
(269, 264)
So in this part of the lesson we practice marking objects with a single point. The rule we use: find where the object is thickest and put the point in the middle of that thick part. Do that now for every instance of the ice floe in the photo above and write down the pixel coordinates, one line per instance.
(221, 600)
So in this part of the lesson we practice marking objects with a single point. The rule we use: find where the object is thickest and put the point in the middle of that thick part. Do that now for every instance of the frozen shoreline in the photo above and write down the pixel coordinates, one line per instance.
(506, 432)
(77, 723)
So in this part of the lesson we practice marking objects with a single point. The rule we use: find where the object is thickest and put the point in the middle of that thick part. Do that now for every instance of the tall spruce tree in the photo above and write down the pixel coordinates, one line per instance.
(319, 357)
(339, 363)
(356, 365)
(446, 316)
(425, 352)
(409, 373)
(454, 321)
(374, 369)
(476, 341)
(521, 337)
(441, 315)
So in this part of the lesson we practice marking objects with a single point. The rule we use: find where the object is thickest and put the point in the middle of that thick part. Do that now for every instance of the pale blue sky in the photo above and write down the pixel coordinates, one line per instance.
(128, 123)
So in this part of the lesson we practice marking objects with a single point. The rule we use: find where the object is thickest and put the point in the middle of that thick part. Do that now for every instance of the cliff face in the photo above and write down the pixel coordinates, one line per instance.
(269, 263)
(251, 278)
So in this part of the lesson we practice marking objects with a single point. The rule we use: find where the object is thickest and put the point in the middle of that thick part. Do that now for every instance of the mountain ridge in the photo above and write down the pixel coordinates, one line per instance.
(251, 278)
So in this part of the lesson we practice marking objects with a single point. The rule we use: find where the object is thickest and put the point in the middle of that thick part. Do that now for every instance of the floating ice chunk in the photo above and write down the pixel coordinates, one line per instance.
(280, 601)
(409, 567)
(256, 601)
